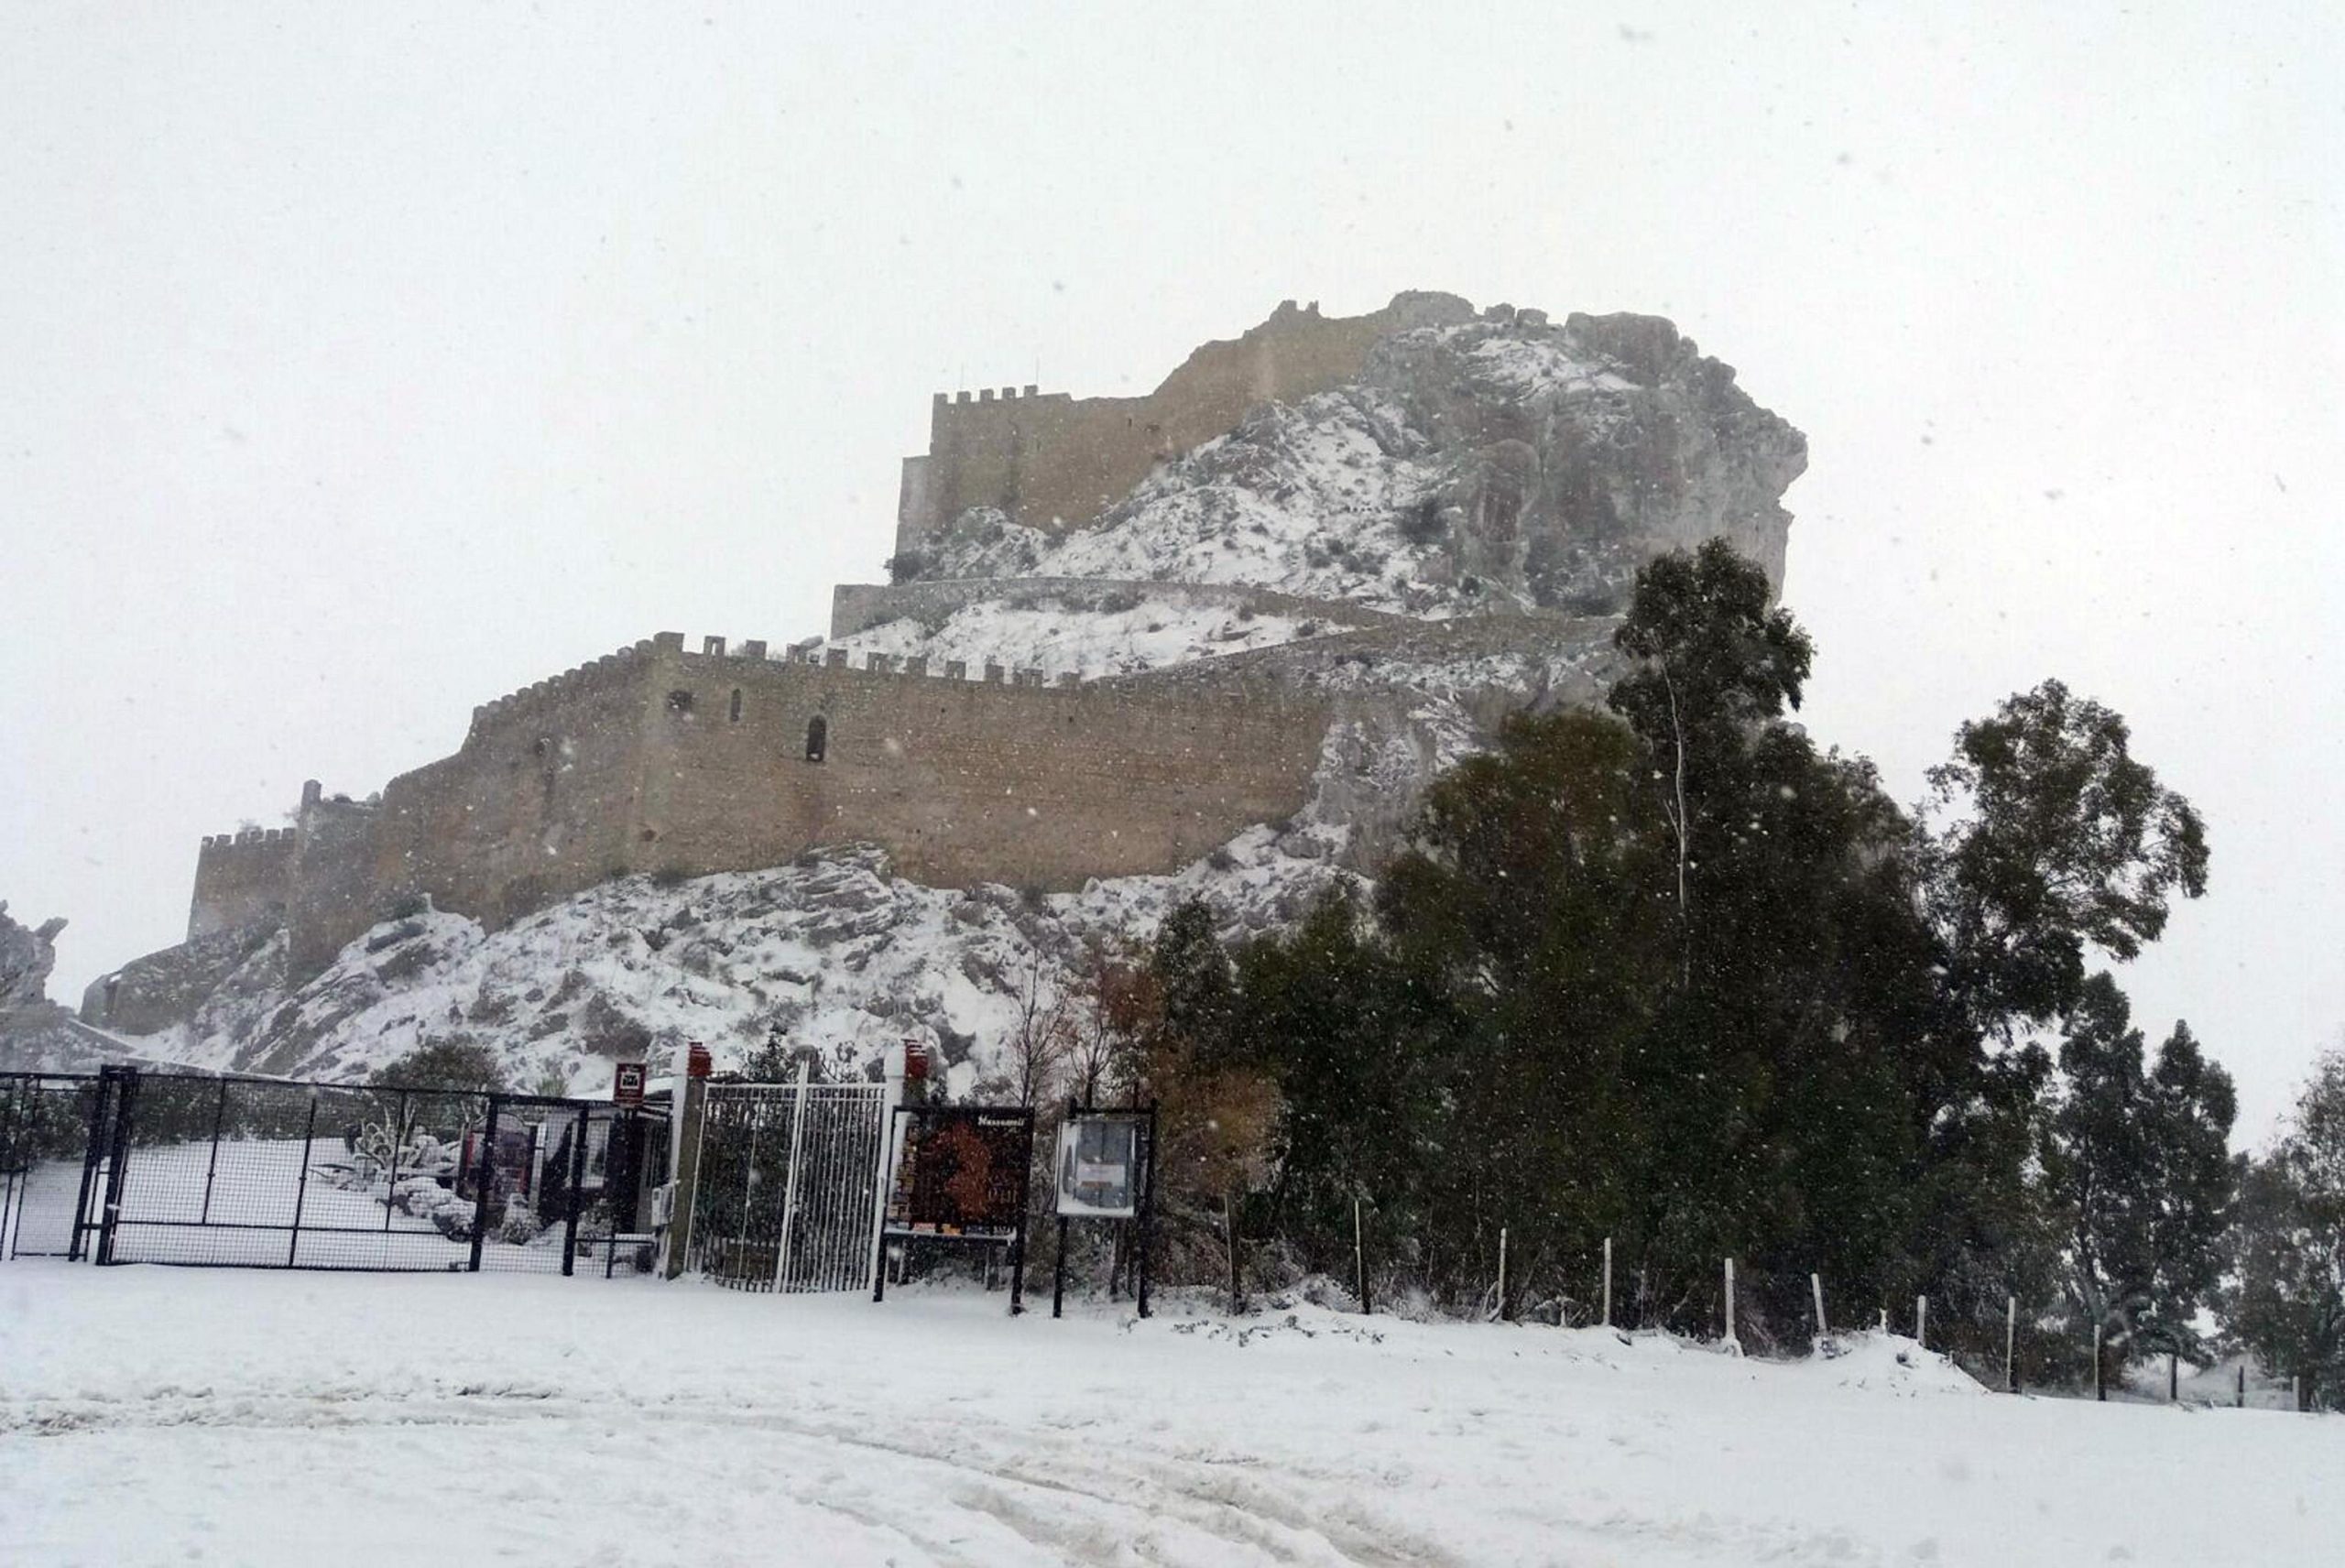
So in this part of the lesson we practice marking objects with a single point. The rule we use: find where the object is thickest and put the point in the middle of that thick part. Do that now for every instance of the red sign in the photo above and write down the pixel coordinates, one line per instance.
(696, 1062)
(627, 1084)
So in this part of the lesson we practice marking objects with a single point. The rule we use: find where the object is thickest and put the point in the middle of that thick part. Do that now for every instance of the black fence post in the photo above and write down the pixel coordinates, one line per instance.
(117, 1157)
(1058, 1265)
(93, 1154)
(1017, 1240)
(391, 1182)
(301, 1181)
(577, 1180)
(1147, 1207)
(211, 1165)
(483, 1179)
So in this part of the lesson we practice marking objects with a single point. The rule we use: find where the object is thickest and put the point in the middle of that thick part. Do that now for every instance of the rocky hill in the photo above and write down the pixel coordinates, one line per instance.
(1437, 542)
(1501, 463)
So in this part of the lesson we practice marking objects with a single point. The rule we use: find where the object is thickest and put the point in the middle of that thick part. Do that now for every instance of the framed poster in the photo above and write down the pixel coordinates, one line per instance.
(1098, 1166)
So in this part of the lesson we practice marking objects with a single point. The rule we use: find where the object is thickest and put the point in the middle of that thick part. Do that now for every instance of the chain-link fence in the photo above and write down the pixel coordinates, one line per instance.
(135, 1166)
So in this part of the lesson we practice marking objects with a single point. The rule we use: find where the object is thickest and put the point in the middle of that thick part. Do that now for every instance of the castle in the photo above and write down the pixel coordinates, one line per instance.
(672, 761)
(659, 758)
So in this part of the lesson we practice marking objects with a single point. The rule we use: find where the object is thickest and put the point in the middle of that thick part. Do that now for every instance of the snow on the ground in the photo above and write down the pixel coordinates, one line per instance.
(157, 1415)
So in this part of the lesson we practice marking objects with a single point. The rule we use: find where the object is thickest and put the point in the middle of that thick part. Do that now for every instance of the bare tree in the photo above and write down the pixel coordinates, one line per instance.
(1042, 1039)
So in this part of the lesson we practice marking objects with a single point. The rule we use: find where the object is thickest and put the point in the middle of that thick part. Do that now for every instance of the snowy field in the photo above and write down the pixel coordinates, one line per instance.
(158, 1415)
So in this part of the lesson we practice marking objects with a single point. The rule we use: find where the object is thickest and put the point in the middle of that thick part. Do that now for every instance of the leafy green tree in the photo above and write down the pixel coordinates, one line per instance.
(2287, 1299)
(1358, 1061)
(1714, 661)
(2139, 1169)
(2061, 842)
(445, 1064)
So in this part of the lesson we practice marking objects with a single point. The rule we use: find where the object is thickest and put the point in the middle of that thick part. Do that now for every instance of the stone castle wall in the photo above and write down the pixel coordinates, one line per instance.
(1052, 461)
(996, 780)
(657, 759)
(241, 879)
(331, 893)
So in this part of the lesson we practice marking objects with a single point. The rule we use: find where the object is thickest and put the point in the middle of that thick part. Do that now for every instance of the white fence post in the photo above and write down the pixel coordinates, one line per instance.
(2010, 1345)
(1608, 1281)
(1815, 1285)
(1501, 1271)
(1922, 1322)
(790, 1183)
(1733, 1346)
(886, 1173)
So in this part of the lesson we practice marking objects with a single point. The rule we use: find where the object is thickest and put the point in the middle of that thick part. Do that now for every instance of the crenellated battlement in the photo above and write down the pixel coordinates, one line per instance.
(596, 674)
(255, 839)
(1249, 683)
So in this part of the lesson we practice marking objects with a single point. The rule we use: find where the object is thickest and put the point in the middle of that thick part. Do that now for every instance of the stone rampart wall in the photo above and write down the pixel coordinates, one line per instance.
(240, 879)
(1000, 781)
(539, 802)
(688, 763)
(1057, 462)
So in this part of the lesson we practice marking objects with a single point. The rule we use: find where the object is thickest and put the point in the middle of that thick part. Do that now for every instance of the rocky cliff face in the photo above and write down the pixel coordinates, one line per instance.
(37, 1035)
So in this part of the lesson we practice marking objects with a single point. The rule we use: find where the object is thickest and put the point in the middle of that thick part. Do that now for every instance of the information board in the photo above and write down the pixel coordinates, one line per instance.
(961, 1170)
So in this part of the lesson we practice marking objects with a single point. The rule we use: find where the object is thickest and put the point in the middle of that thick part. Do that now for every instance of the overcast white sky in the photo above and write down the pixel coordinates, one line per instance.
(358, 365)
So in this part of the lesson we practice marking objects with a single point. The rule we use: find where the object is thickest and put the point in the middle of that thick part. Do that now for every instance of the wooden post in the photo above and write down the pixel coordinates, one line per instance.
(2296, 1393)
(1816, 1287)
(1608, 1281)
(2238, 1401)
(1733, 1346)
(2173, 1377)
(2010, 1345)
(2100, 1384)
(1360, 1259)
(1922, 1322)
(1502, 1312)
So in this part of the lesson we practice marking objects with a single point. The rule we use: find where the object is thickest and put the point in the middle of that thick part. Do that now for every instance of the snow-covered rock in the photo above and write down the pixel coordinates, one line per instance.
(1501, 462)
(834, 952)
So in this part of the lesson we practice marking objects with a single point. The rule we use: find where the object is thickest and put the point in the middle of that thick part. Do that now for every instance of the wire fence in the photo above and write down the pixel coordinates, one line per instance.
(139, 1167)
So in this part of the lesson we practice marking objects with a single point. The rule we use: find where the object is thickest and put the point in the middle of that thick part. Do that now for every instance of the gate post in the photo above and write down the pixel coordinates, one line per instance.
(94, 1153)
(690, 1104)
(117, 1155)
(577, 1180)
(484, 1177)
(891, 1098)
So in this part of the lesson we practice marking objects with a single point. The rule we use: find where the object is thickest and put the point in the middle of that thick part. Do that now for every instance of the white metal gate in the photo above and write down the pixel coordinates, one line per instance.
(789, 1185)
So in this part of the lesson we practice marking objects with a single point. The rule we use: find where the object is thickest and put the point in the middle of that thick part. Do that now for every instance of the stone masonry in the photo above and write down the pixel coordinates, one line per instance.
(1053, 461)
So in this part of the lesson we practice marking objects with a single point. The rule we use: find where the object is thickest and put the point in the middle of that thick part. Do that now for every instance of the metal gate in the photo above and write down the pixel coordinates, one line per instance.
(56, 1142)
(789, 1185)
